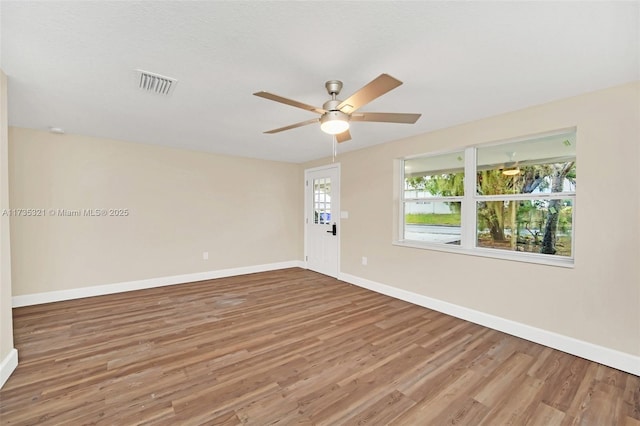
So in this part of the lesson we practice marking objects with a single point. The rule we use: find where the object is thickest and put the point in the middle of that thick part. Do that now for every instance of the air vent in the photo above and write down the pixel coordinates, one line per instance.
(156, 83)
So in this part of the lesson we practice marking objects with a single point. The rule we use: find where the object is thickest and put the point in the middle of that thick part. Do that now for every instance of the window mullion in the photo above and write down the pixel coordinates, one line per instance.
(468, 217)
(435, 199)
(527, 196)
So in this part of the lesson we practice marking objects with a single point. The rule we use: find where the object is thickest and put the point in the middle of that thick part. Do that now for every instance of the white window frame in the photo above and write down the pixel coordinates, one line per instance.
(468, 217)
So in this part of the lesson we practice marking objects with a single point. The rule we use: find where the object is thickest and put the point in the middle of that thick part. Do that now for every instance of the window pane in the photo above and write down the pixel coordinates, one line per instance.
(542, 165)
(436, 222)
(533, 226)
(434, 176)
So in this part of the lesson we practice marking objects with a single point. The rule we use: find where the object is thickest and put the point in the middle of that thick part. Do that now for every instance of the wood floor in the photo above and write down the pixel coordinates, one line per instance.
(292, 347)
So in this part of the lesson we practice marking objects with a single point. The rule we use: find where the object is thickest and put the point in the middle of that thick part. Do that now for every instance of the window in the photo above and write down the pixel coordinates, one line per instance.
(433, 195)
(512, 200)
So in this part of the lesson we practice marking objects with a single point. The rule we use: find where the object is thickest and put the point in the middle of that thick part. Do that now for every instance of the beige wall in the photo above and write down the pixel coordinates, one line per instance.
(244, 212)
(597, 301)
(6, 330)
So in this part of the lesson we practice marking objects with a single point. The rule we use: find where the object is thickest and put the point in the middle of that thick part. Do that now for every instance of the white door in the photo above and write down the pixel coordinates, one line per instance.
(322, 219)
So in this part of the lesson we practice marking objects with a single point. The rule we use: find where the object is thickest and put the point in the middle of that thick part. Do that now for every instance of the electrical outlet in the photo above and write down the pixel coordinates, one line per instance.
(205, 255)
(364, 260)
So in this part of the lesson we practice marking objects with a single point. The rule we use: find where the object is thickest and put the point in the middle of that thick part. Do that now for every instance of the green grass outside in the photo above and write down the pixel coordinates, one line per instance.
(432, 219)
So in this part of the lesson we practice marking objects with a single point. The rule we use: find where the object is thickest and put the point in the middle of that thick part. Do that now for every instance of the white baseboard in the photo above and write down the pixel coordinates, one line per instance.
(600, 354)
(99, 290)
(7, 365)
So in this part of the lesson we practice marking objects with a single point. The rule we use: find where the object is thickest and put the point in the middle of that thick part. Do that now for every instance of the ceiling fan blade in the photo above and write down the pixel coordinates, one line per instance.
(386, 117)
(376, 88)
(290, 102)
(293, 126)
(344, 136)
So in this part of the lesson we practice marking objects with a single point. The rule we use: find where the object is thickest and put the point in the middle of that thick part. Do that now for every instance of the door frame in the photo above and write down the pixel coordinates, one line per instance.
(307, 211)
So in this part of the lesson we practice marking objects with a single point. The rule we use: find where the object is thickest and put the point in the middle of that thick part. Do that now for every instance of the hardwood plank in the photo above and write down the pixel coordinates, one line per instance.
(427, 410)
(384, 410)
(564, 386)
(517, 405)
(545, 415)
(291, 347)
(464, 411)
(630, 421)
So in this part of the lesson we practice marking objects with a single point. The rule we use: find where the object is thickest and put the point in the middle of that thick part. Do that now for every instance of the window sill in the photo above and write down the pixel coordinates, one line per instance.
(540, 259)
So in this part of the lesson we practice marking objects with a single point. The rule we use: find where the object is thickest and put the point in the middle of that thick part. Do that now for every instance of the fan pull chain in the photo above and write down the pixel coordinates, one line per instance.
(335, 148)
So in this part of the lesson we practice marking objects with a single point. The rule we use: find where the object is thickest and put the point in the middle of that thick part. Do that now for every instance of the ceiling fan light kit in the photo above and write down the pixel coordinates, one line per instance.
(334, 122)
(335, 114)
(512, 171)
(511, 168)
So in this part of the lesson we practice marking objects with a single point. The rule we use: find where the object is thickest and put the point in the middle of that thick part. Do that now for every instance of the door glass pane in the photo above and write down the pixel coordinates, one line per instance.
(322, 201)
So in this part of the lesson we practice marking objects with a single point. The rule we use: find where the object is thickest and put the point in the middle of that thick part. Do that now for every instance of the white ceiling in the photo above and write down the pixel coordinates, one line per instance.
(71, 65)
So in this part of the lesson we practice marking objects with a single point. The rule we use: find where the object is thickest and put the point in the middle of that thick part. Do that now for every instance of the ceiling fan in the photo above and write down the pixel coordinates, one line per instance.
(335, 114)
(511, 167)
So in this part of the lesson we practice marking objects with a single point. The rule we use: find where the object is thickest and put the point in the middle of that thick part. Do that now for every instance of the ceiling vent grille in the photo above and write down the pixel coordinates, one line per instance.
(156, 83)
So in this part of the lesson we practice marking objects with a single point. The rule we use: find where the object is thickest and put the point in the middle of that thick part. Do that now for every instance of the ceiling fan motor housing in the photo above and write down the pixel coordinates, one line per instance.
(334, 115)
(331, 105)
